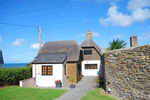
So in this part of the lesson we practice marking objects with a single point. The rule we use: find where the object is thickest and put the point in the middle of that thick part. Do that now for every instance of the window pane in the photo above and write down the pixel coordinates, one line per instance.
(87, 52)
(47, 70)
(90, 66)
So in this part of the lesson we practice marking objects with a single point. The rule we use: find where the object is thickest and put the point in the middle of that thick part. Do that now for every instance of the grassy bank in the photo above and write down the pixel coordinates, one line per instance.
(96, 95)
(20, 93)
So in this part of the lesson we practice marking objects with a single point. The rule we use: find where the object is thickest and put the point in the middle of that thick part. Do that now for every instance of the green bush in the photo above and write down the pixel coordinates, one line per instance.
(28, 65)
(11, 76)
(97, 80)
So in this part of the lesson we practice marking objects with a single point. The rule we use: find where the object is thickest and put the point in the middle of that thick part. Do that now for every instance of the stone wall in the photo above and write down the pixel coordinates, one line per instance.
(30, 82)
(127, 72)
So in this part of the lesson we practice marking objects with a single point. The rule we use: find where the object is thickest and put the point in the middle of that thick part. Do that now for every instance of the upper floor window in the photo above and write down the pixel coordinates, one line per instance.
(87, 52)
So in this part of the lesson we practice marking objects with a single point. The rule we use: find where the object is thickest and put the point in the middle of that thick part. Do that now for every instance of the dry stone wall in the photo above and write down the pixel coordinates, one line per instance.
(127, 72)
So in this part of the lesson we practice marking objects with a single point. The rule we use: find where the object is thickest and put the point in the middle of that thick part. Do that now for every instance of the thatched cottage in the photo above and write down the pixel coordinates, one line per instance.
(61, 60)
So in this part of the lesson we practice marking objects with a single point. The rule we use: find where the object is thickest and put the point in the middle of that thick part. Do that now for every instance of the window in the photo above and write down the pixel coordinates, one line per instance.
(90, 66)
(87, 52)
(46, 70)
(65, 69)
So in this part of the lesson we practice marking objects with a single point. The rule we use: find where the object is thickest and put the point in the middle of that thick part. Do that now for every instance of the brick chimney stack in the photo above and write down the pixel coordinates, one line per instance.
(133, 41)
(89, 34)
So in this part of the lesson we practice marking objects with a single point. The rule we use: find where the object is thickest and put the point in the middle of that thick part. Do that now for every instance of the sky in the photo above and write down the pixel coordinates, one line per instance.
(69, 20)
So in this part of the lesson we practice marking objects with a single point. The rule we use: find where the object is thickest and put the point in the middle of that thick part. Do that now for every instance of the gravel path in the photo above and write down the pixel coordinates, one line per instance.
(81, 88)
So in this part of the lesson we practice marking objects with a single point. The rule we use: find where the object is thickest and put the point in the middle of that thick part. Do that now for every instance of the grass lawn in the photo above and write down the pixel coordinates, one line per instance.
(21, 93)
(96, 95)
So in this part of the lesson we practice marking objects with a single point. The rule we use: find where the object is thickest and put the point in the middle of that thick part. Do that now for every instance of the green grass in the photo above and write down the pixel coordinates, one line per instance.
(95, 95)
(21, 93)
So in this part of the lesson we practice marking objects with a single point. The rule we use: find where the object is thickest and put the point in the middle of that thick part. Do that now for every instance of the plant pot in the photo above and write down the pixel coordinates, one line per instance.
(72, 86)
(58, 85)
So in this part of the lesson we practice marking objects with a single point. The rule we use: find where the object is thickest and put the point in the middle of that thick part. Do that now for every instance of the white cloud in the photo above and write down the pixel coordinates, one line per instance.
(3, 45)
(100, 1)
(85, 20)
(35, 45)
(18, 42)
(96, 1)
(82, 35)
(116, 18)
(94, 34)
(145, 36)
(0, 38)
(117, 37)
(135, 4)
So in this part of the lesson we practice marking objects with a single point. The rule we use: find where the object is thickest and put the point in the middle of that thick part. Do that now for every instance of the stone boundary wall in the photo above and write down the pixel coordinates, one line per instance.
(30, 82)
(127, 72)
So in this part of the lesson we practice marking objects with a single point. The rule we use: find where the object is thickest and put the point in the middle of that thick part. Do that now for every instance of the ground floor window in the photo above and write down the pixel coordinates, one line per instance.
(90, 66)
(46, 70)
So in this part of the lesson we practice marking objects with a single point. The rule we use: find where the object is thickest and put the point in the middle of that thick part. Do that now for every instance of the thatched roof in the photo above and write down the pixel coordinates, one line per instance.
(88, 42)
(71, 47)
(1, 58)
(50, 58)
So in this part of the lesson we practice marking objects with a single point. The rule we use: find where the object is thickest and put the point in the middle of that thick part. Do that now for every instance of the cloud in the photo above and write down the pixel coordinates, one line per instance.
(35, 45)
(117, 37)
(82, 35)
(145, 36)
(18, 42)
(84, 20)
(0, 38)
(100, 1)
(135, 4)
(3, 45)
(96, 1)
(94, 34)
(116, 18)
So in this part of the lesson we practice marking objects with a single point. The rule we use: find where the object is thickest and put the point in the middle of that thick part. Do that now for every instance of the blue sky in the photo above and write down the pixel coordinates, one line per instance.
(107, 20)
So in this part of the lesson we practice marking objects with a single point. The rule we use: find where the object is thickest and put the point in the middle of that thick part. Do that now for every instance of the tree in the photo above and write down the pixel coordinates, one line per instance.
(117, 44)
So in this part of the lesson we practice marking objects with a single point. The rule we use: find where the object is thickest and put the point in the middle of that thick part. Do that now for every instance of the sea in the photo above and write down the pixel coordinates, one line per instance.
(14, 65)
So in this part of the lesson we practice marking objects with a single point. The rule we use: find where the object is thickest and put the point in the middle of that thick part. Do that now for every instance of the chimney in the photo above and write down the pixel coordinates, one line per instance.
(133, 41)
(89, 34)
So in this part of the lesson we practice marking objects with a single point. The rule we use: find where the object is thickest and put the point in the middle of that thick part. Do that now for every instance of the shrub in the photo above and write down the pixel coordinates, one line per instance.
(117, 44)
(97, 80)
(11, 76)
(28, 65)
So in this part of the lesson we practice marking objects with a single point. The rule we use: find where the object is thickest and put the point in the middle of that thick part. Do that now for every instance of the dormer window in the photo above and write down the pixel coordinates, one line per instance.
(87, 52)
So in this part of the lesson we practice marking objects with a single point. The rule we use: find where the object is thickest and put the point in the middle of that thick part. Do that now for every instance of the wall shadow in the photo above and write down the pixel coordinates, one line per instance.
(102, 74)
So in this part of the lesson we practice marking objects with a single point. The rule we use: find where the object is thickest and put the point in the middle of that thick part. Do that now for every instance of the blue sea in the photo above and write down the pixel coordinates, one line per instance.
(14, 65)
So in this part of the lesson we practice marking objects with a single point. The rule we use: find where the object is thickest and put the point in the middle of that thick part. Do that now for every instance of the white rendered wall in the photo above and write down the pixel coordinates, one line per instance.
(48, 80)
(64, 76)
(90, 72)
(33, 71)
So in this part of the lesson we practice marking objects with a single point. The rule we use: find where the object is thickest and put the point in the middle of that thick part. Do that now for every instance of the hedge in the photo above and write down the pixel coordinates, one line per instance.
(12, 76)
